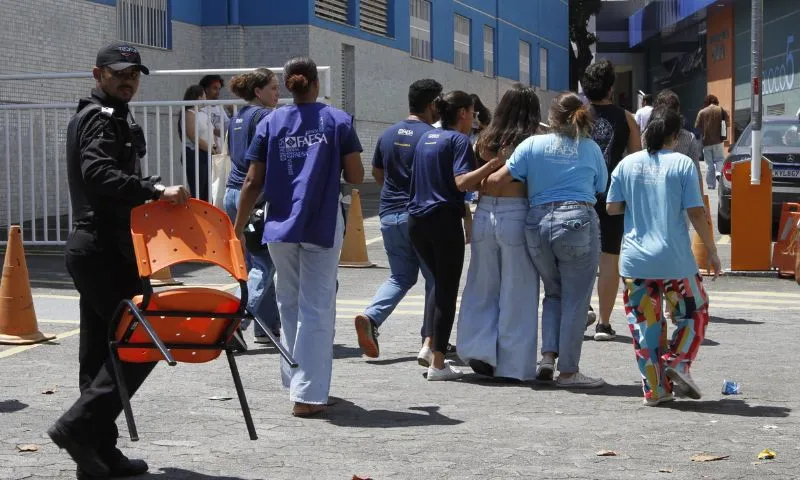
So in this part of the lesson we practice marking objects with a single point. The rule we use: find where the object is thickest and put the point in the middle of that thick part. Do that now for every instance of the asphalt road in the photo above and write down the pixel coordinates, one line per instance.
(390, 423)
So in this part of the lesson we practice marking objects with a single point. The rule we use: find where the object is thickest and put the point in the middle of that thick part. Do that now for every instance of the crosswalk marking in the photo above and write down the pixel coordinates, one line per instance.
(23, 348)
(724, 240)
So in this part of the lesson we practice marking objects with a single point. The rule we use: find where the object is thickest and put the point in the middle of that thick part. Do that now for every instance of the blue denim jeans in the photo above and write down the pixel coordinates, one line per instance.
(261, 300)
(404, 266)
(564, 243)
(306, 288)
(714, 155)
(498, 321)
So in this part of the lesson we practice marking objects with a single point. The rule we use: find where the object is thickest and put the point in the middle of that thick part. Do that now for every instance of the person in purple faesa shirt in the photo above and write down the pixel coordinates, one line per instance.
(297, 158)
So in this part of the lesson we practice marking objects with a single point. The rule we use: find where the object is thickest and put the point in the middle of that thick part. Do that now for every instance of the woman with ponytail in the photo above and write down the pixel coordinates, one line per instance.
(498, 320)
(297, 159)
(655, 189)
(443, 170)
(260, 89)
(563, 171)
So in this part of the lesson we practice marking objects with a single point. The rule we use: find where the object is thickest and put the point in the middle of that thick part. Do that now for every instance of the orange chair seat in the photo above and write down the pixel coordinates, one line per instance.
(199, 330)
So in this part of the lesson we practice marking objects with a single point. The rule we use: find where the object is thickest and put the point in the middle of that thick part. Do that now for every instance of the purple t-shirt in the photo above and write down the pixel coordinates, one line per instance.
(303, 146)
(441, 156)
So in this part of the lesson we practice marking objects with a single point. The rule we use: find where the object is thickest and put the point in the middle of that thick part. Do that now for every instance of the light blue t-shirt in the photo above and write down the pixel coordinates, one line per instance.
(657, 189)
(557, 168)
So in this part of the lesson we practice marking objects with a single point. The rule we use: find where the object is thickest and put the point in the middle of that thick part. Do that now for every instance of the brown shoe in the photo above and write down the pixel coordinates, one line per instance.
(367, 333)
(306, 410)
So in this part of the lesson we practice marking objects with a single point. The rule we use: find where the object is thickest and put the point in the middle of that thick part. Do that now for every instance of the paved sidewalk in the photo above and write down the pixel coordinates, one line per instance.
(389, 423)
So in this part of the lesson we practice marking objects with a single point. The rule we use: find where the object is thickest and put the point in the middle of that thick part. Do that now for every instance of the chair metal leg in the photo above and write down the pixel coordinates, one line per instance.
(237, 381)
(284, 353)
(123, 393)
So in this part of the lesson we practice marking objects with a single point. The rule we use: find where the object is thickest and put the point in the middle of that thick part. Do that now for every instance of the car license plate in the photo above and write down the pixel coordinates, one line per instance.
(786, 173)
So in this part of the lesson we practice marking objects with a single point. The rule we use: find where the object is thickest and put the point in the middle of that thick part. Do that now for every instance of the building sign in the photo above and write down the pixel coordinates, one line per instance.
(779, 77)
(716, 46)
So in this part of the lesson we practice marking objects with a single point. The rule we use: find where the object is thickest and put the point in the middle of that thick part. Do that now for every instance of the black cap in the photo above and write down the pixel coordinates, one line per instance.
(119, 56)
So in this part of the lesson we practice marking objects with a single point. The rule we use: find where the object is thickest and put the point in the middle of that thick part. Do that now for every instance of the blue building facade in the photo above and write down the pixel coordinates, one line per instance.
(373, 48)
(541, 24)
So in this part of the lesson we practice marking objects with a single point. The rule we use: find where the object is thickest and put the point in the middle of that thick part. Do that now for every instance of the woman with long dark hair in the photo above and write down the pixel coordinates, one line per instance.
(443, 171)
(297, 158)
(498, 319)
(197, 151)
(655, 189)
(563, 171)
(260, 89)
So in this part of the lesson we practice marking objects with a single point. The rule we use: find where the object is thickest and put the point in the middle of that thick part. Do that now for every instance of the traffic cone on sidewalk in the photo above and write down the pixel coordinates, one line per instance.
(354, 248)
(18, 324)
(699, 248)
(163, 278)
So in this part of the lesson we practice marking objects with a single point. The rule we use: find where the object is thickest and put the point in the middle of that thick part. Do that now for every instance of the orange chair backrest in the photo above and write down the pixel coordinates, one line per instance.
(166, 234)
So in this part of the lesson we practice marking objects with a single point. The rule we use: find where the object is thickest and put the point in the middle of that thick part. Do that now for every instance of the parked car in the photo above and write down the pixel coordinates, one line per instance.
(781, 145)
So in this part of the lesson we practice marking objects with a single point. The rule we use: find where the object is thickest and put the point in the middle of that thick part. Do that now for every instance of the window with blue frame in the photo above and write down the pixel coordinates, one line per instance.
(145, 22)
(488, 51)
(421, 29)
(333, 10)
(543, 61)
(524, 63)
(461, 43)
(374, 16)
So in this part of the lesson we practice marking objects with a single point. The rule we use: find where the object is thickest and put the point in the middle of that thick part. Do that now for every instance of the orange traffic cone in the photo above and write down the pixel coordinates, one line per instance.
(354, 249)
(699, 248)
(18, 324)
(163, 278)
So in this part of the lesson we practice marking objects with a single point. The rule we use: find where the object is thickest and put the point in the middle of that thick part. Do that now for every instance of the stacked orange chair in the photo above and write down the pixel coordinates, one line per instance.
(184, 324)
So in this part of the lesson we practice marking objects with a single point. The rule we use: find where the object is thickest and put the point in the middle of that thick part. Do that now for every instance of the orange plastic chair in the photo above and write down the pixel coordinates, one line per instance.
(184, 324)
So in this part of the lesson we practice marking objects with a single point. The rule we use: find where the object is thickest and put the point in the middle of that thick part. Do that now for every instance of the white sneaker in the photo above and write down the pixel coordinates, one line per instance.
(650, 402)
(579, 380)
(684, 384)
(449, 372)
(425, 356)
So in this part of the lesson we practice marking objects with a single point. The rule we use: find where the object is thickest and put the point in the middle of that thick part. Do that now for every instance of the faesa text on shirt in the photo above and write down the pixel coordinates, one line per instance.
(312, 137)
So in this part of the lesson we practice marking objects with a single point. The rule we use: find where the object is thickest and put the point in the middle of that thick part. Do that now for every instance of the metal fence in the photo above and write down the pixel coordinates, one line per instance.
(35, 194)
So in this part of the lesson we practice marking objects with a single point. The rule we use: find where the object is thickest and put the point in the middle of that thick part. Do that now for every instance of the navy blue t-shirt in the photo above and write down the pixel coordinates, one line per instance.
(394, 155)
(239, 133)
(441, 156)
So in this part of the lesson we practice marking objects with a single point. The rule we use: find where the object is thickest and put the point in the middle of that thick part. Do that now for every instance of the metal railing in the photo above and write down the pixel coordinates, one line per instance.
(35, 194)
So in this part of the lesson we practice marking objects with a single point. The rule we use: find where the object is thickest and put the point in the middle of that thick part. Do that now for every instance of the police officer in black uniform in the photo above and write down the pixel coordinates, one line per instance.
(104, 148)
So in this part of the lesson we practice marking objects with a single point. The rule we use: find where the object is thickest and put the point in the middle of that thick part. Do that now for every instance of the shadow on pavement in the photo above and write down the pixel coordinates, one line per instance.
(340, 351)
(257, 349)
(617, 339)
(483, 381)
(391, 361)
(179, 473)
(733, 321)
(347, 414)
(11, 406)
(729, 407)
(610, 390)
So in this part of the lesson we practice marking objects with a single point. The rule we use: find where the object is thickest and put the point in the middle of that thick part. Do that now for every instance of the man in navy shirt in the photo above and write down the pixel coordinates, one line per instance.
(391, 167)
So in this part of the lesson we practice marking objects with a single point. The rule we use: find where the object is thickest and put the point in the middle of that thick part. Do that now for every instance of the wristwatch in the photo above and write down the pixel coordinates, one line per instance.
(160, 189)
